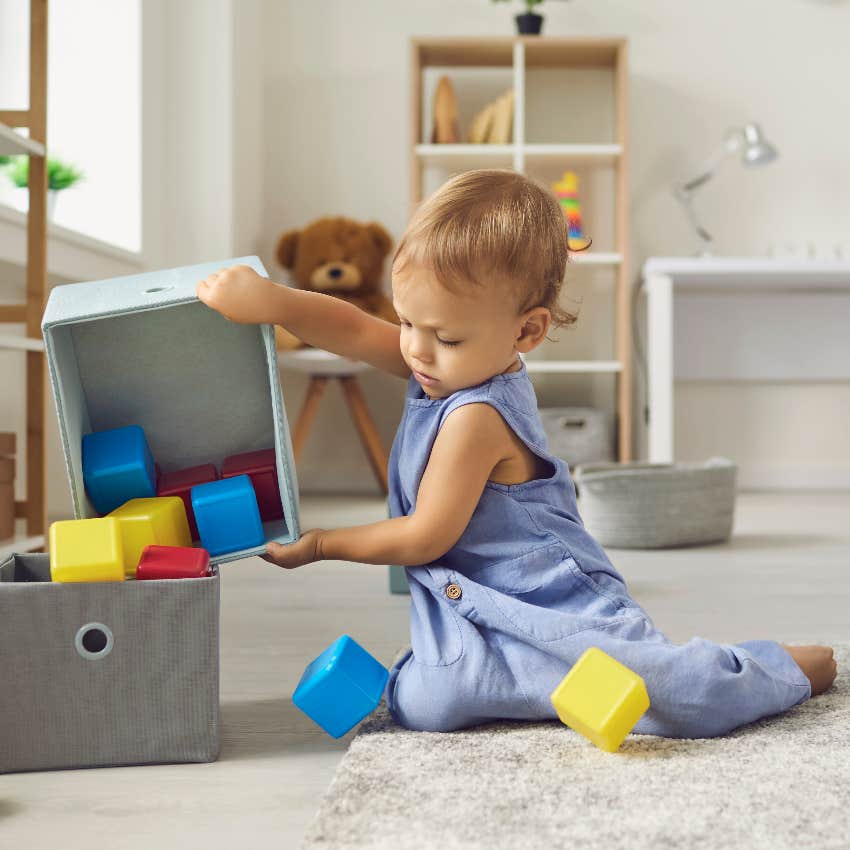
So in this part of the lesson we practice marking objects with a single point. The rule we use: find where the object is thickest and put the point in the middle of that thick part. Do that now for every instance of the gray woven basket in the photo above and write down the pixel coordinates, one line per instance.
(652, 506)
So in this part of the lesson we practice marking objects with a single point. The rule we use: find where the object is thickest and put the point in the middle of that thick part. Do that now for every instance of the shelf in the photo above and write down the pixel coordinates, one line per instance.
(464, 154)
(565, 52)
(576, 153)
(13, 143)
(23, 343)
(562, 366)
(558, 52)
(595, 258)
(465, 52)
(21, 541)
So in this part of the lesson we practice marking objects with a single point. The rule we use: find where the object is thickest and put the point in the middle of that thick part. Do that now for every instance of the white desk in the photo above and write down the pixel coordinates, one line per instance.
(806, 344)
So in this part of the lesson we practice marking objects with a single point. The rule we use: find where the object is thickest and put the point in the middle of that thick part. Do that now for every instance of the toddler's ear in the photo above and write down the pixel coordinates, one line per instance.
(534, 328)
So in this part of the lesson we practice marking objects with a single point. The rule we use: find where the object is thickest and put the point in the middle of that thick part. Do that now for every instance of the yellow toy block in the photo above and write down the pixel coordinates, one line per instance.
(601, 699)
(158, 520)
(86, 550)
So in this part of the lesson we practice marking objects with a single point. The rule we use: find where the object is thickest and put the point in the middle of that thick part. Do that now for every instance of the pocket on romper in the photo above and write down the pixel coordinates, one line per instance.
(545, 595)
(435, 633)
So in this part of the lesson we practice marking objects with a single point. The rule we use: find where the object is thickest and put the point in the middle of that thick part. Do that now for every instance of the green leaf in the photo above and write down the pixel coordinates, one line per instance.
(60, 175)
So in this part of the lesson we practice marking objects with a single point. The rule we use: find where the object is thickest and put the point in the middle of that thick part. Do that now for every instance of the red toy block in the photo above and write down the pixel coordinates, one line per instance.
(261, 468)
(159, 562)
(181, 482)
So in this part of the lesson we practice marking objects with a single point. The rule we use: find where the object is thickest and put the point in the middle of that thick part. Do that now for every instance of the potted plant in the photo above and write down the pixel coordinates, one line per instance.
(60, 175)
(528, 23)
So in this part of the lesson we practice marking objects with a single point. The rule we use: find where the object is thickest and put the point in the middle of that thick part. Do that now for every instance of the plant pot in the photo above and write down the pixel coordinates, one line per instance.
(529, 23)
(22, 201)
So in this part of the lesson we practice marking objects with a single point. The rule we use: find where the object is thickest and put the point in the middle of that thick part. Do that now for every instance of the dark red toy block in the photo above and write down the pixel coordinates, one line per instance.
(159, 562)
(181, 482)
(261, 468)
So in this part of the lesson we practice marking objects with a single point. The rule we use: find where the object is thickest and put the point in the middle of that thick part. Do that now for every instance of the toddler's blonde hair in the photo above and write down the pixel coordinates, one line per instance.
(492, 224)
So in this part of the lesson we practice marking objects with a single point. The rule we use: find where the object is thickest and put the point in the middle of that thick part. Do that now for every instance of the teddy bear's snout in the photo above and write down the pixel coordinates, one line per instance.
(337, 275)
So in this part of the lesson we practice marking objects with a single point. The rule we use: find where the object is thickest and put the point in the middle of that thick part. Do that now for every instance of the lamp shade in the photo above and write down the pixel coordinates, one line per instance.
(756, 149)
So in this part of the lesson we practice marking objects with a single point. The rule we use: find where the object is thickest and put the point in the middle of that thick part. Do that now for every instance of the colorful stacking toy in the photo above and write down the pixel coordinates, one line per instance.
(261, 468)
(181, 482)
(164, 562)
(143, 522)
(343, 685)
(227, 515)
(117, 467)
(601, 699)
(86, 550)
(566, 191)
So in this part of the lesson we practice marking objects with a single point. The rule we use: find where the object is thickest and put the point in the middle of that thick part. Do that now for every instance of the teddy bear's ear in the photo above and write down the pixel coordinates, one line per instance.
(380, 237)
(286, 247)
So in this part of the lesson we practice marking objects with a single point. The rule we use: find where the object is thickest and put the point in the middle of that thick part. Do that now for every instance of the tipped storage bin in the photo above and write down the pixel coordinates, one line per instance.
(143, 350)
(653, 506)
(106, 673)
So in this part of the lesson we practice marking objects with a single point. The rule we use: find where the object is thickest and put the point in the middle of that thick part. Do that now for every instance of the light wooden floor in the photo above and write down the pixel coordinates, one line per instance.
(784, 575)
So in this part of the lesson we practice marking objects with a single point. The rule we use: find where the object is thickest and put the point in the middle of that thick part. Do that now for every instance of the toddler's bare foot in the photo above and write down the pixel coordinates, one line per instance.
(817, 663)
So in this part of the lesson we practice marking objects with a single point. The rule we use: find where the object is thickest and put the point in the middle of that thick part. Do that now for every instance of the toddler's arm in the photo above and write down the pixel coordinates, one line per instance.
(242, 295)
(472, 440)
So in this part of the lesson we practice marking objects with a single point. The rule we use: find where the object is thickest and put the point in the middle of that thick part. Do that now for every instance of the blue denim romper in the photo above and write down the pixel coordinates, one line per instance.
(498, 621)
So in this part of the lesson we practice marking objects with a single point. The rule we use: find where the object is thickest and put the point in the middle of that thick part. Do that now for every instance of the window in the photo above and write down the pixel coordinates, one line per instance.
(93, 105)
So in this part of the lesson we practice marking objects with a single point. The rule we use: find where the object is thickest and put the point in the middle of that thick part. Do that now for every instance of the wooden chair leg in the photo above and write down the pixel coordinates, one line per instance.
(307, 414)
(366, 428)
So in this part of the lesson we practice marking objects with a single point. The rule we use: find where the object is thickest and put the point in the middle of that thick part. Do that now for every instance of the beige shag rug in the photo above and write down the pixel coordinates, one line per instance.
(783, 782)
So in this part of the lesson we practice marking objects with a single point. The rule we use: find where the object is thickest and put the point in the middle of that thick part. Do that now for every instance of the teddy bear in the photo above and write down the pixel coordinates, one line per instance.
(341, 257)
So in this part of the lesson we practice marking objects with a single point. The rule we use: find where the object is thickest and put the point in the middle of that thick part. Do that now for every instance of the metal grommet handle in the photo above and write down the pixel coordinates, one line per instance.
(94, 641)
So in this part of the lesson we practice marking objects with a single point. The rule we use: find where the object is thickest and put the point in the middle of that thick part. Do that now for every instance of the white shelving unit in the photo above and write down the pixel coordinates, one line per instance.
(541, 146)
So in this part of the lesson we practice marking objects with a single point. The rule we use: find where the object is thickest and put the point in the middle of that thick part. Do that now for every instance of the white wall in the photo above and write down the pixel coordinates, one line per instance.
(336, 140)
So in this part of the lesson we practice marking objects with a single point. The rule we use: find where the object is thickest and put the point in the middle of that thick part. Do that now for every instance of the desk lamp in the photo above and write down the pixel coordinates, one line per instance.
(754, 150)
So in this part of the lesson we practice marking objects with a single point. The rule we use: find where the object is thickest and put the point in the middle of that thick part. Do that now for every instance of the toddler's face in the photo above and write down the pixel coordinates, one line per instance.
(450, 340)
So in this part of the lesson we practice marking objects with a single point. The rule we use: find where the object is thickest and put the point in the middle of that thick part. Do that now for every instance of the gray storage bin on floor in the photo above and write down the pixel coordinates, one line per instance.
(106, 673)
(651, 506)
(578, 434)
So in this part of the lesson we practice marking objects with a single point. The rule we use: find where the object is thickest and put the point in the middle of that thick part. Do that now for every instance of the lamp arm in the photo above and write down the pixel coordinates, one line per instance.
(707, 171)
(685, 198)
(684, 192)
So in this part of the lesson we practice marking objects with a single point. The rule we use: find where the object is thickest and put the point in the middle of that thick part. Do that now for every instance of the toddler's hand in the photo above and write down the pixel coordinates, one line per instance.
(239, 294)
(305, 550)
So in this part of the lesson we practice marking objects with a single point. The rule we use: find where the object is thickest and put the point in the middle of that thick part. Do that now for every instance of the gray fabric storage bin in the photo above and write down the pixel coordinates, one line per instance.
(578, 434)
(143, 350)
(652, 506)
(150, 695)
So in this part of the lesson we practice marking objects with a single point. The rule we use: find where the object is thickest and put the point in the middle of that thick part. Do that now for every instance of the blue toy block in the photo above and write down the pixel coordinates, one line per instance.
(342, 686)
(227, 515)
(117, 466)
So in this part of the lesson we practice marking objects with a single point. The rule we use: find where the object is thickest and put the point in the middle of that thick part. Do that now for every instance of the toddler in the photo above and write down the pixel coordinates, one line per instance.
(507, 587)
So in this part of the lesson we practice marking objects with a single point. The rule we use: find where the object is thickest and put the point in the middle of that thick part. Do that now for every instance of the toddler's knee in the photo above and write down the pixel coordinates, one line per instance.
(421, 706)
